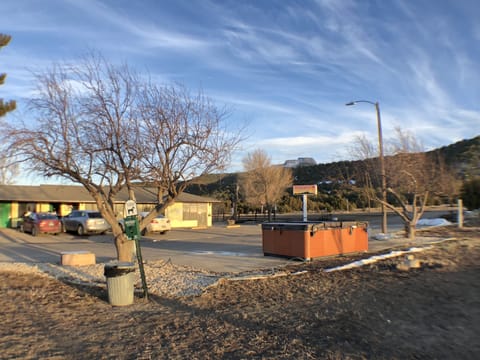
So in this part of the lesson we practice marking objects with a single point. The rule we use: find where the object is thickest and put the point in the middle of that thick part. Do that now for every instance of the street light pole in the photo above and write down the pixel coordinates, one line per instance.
(382, 160)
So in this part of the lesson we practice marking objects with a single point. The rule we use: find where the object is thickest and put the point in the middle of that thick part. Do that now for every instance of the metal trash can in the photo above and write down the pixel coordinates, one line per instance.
(120, 282)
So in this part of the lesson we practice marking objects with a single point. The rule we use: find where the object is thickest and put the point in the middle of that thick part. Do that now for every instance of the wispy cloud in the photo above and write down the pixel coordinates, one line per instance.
(287, 67)
(150, 34)
(425, 80)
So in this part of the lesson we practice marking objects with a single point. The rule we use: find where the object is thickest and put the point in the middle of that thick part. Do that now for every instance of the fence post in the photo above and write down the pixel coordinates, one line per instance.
(460, 213)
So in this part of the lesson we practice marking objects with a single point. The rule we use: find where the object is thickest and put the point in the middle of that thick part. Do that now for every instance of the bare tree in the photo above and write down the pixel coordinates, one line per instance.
(368, 169)
(263, 183)
(8, 171)
(106, 128)
(412, 175)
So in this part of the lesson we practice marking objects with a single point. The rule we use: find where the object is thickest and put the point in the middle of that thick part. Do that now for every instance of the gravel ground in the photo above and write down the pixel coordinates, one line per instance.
(163, 278)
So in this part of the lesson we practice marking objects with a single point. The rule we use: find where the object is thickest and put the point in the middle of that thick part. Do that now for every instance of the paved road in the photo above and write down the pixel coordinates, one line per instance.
(219, 248)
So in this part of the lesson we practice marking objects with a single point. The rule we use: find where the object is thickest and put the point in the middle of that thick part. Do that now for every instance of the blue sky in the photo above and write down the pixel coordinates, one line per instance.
(287, 67)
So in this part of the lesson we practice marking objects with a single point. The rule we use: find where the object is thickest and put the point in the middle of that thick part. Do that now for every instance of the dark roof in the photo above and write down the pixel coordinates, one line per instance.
(75, 193)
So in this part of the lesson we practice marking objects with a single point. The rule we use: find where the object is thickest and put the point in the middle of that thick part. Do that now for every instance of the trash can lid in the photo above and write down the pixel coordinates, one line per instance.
(119, 264)
(115, 268)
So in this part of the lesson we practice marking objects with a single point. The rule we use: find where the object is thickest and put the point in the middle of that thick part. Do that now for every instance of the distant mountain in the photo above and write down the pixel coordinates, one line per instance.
(463, 157)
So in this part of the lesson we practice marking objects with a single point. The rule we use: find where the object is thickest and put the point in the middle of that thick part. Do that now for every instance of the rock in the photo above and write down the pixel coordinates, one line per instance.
(408, 263)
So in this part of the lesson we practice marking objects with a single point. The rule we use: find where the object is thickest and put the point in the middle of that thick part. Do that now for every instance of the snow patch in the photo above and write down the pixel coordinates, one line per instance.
(376, 258)
(433, 222)
(382, 236)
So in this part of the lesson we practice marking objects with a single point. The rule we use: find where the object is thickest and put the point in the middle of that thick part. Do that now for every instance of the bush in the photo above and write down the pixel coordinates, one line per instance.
(470, 193)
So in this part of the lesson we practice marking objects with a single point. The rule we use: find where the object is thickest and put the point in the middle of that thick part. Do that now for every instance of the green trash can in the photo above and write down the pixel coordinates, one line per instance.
(120, 282)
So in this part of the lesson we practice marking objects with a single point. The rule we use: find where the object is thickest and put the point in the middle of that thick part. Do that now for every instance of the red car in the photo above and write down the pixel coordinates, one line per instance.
(37, 223)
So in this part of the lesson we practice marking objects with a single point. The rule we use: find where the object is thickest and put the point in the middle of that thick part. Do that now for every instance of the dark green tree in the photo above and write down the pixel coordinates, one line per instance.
(470, 193)
(8, 105)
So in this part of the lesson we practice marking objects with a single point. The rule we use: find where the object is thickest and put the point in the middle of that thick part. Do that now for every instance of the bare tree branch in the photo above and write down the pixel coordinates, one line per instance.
(411, 176)
(104, 127)
(263, 183)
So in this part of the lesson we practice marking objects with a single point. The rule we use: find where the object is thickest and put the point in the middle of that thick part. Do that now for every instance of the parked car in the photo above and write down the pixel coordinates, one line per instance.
(36, 223)
(85, 222)
(159, 224)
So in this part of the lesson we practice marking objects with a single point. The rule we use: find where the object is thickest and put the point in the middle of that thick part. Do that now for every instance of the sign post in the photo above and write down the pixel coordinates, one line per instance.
(304, 207)
(132, 231)
(305, 190)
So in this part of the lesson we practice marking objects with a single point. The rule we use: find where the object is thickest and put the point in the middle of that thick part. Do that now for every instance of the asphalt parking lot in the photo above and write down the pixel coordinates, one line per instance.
(219, 248)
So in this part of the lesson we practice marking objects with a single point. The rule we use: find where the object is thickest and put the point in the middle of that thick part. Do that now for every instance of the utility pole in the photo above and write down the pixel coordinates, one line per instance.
(381, 159)
(382, 170)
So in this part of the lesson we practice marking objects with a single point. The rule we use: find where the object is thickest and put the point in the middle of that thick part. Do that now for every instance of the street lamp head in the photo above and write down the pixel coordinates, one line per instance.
(361, 101)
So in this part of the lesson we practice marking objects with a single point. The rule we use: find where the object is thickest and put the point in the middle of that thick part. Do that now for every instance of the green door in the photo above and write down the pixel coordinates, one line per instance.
(4, 215)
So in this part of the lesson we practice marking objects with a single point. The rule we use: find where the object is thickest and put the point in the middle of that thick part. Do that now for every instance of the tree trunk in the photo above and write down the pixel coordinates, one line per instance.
(124, 248)
(410, 228)
(269, 212)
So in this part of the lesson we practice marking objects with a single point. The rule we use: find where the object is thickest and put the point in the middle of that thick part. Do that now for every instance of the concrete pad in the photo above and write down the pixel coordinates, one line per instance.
(77, 258)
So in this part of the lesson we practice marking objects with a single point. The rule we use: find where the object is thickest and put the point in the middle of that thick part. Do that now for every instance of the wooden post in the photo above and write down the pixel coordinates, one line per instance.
(305, 207)
(460, 213)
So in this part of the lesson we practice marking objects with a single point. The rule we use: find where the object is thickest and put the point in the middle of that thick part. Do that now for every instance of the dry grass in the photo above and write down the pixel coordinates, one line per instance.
(371, 312)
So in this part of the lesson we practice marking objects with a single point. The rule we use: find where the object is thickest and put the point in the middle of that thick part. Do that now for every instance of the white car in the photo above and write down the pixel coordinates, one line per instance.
(159, 224)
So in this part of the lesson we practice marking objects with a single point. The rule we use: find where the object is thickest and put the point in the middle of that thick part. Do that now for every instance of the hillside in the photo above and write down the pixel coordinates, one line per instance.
(462, 157)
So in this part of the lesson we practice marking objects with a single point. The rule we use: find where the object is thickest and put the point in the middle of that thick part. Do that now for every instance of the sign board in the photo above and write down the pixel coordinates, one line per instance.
(132, 227)
(130, 208)
(305, 189)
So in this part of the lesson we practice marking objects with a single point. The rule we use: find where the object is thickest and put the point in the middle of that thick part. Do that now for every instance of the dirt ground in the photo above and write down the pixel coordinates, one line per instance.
(372, 312)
